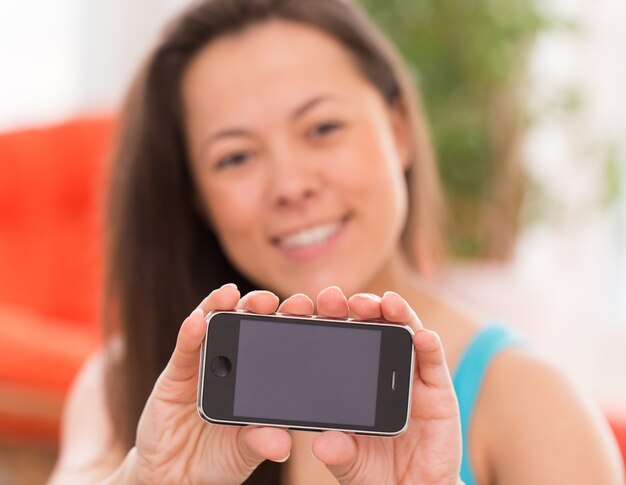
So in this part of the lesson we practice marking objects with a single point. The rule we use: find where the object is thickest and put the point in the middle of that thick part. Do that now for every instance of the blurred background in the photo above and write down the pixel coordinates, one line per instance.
(527, 104)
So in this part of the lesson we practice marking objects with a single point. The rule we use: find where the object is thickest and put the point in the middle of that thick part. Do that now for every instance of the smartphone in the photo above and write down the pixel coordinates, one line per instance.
(306, 373)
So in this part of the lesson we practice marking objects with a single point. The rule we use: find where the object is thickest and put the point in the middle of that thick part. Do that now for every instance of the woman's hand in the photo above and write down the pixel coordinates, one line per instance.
(429, 452)
(173, 444)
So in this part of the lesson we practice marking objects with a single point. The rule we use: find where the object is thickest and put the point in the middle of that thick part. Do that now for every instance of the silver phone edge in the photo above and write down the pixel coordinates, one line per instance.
(210, 420)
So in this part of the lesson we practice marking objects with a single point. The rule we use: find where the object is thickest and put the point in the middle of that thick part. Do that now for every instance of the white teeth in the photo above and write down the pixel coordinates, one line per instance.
(312, 236)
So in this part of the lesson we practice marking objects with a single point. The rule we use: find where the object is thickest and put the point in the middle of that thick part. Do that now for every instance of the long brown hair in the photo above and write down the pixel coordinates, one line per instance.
(162, 258)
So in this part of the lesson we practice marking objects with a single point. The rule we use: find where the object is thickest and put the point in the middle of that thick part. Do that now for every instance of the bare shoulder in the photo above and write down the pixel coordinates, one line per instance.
(535, 426)
(88, 450)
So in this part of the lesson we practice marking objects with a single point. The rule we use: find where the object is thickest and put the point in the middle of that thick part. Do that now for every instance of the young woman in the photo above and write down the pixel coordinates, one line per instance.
(278, 145)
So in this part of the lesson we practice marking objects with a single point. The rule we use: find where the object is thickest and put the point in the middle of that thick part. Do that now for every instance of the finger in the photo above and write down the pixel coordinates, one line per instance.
(395, 309)
(258, 444)
(183, 365)
(331, 302)
(431, 360)
(259, 301)
(338, 452)
(224, 298)
(365, 306)
(298, 304)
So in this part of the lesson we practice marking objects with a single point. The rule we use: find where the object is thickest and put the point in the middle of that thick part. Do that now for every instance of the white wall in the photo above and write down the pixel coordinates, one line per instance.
(580, 243)
(67, 57)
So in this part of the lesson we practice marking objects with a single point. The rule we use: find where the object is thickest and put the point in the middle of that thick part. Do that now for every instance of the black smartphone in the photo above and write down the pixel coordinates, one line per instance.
(307, 373)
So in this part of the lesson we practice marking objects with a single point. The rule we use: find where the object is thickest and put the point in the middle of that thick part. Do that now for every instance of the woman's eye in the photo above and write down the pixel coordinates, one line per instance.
(324, 129)
(234, 159)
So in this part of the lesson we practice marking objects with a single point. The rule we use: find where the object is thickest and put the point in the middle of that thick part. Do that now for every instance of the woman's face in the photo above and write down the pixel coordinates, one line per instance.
(298, 160)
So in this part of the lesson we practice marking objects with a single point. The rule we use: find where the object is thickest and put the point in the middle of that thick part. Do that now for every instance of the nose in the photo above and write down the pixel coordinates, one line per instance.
(295, 184)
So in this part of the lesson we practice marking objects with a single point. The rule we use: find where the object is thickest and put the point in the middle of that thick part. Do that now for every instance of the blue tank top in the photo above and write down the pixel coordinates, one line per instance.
(469, 376)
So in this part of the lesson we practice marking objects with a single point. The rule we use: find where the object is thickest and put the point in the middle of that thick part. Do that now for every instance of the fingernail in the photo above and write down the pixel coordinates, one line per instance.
(245, 297)
(315, 457)
(197, 311)
(233, 285)
(370, 296)
(333, 287)
(283, 460)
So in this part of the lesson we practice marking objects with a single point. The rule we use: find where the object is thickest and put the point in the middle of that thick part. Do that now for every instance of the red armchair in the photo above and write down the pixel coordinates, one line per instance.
(51, 200)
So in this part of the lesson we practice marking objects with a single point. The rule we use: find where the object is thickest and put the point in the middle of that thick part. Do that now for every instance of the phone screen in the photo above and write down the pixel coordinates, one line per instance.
(307, 373)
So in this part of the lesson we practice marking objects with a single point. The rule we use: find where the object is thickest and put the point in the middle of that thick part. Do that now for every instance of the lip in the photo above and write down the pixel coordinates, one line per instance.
(314, 250)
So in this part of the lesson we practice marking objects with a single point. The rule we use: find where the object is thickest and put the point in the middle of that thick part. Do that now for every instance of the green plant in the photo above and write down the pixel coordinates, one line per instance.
(469, 62)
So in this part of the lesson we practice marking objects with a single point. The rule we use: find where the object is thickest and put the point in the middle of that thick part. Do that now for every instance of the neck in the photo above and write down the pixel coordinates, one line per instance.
(399, 276)
(396, 275)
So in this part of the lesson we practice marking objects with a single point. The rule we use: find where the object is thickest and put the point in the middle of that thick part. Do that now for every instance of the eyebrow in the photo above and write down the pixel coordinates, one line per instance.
(307, 105)
(298, 112)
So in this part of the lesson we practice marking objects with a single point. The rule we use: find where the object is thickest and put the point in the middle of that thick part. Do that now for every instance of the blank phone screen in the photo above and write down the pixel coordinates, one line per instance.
(304, 372)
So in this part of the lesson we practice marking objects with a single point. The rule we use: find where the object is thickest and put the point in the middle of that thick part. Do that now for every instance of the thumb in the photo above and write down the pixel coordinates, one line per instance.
(178, 381)
(182, 367)
(183, 364)
(256, 444)
(339, 452)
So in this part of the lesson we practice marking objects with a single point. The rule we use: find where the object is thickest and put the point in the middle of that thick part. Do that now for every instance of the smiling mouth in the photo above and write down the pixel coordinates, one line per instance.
(312, 236)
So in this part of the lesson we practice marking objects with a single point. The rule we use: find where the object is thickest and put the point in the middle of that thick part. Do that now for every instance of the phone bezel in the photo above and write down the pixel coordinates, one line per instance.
(392, 402)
